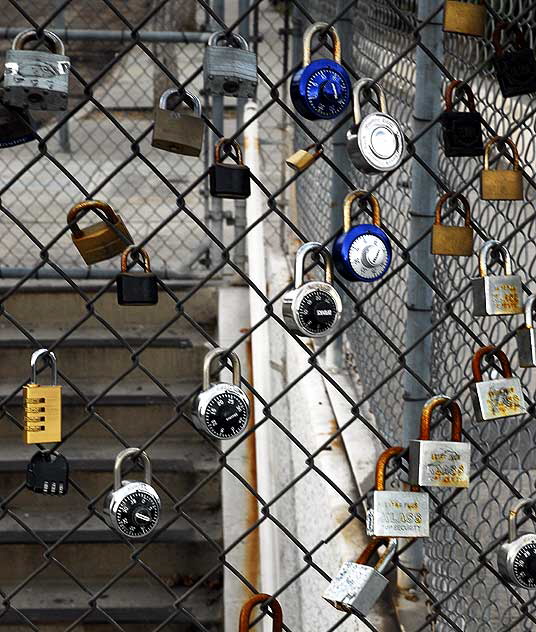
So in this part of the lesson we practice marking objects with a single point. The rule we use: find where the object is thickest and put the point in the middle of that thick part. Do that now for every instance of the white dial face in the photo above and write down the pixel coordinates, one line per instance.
(227, 415)
(368, 256)
(524, 566)
(137, 514)
(381, 141)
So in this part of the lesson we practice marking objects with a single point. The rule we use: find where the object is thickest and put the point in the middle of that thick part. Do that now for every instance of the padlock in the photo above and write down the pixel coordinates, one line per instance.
(255, 600)
(16, 126)
(132, 508)
(516, 558)
(48, 473)
(393, 513)
(363, 252)
(136, 288)
(321, 88)
(230, 69)
(501, 184)
(358, 586)
(452, 240)
(36, 79)
(526, 336)
(462, 131)
(516, 68)
(42, 404)
(375, 144)
(496, 399)
(229, 180)
(304, 158)
(221, 410)
(314, 308)
(102, 240)
(179, 131)
(496, 295)
(461, 16)
(440, 463)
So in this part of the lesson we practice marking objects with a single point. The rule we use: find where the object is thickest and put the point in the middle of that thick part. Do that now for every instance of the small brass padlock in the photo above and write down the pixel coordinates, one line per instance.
(465, 17)
(304, 158)
(501, 184)
(452, 240)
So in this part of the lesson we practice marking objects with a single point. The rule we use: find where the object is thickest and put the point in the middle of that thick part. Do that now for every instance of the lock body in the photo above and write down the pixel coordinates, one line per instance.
(301, 160)
(526, 346)
(48, 473)
(313, 309)
(133, 510)
(452, 240)
(496, 399)
(137, 288)
(501, 184)
(464, 18)
(230, 71)
(100, 241)
(516, 72)
(497, 295)
(439, 463)
(229, 181)
(399, 514)
(376, 144)
(517, 561)
(356, 588)
(462, 134)
(42, 413)
(221, 411)
(16, 127)
(363, 253)
(178, 131)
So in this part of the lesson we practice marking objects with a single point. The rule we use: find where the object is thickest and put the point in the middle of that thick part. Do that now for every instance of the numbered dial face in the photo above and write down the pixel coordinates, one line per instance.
(227, 414)
(317, 312)
(524, 565)
(137, 514)
(368, 256)
(381, 141)
(327, 92)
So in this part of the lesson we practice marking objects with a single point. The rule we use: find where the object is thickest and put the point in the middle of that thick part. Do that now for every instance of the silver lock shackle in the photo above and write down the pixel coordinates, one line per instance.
(211, 357)
(358, 87)
(53, 41)
(308, 37)
(387, 557)
(191, 100)
(384, 561)
(512, 517)
(302, 252)
(218, 36)
(124, 454)
(51, 362)
(493, 244)
(529, 306)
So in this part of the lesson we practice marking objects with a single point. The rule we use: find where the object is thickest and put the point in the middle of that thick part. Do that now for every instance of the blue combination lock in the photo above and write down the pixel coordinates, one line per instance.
(362, 253)
(321, 89)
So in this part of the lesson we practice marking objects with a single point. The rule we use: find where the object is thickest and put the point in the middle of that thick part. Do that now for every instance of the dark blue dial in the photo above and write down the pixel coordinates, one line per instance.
(363, 253)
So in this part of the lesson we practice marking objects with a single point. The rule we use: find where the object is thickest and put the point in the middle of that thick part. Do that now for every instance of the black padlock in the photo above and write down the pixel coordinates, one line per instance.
(136, 288)
(516, 69)
(229, 180)
(48, 473)
(462, 131)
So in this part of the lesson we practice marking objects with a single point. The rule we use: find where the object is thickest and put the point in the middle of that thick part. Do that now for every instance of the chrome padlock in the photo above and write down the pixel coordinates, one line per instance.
(304, 158)
(516, 558)
(516, 67)
(36, 79)
(16, 127)
(230, 69)
(496, 399)
(501, 184)
(440, 463)
(363, 252)
(375, 144)
(393, 513)
(526, 336)
(496, 295)
(313, 308)
(452, 240)
(132, 508)
(462, 131)
(178, 130)
(221, 410)
(357, 586)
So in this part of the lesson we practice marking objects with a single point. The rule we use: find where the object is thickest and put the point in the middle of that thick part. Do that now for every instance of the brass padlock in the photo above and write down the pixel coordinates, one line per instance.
(99, 241)
(465, 17)
(179, 130)
(452, 240)
(501, 184)
(304, 158)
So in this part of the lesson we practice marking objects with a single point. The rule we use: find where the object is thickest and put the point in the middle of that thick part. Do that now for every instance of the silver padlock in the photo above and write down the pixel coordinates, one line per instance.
(439, 463)
(230, 69)
(375, 144)
(393, 513)
(16, 127)
(178, 130)
(132, 508)
(496, 295)
(221, 410)
(313, 308)
(35, 79)
(516, 558)
(495, 399)
(526, 336)
(357, 586)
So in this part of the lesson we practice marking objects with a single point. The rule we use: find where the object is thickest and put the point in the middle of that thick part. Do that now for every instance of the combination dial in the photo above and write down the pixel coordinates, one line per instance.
(227, 414)
(524, 565)
(317, 312)
(327, 93)
(369, 257)
(137, 514)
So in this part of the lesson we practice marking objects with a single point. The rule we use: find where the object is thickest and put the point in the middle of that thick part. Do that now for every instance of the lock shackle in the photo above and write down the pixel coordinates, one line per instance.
(489, 246)
(51, 361)
(302, 252)
(227, 142)
(308, 37)
(512, 517)
(455, 196)
(122, 456)
(454, 85)
(77, 209)
(519, 41)
(347, 209)
(230, 38)
(53, 42)
(381, 464)
(476, 362)
(128, 251)
(247, 608)
(191, 100)
(495, 140)
(528, 309)
(385, 559)
(426, 417)
(211, 357)
(358, 87)
(319, 149)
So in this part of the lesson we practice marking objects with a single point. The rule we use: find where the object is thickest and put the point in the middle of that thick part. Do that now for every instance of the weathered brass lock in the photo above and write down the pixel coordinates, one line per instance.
(465, 17)
(255, 600)
(452, 240)
(462, 131)
(501, 184)
(304, 158)
(179, 130)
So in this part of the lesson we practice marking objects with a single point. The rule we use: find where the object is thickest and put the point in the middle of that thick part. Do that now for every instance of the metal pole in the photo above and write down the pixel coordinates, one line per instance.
(65, 145)
(167, 37)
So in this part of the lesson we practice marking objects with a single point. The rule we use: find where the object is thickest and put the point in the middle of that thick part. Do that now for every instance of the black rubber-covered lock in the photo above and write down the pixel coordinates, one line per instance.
(462, 131)
(136, 288)
(516, 68)
(229, 180)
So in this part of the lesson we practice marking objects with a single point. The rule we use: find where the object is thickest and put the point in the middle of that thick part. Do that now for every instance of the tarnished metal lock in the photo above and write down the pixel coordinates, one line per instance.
(516, 558)
(42, 404)
(100, 241)
(230, 69)
(48, 473)
(496, 399)
(221, 410)
(452, 240)
(136, 288)
(363, 252)
(462, 131)
(501, 184)
(179, 131)
(496, 295)
(313, 308)
(256, 600)
(321, 88)
(526, 336)
(357, 586)
(229, 180)
(36, 79)
(375, 144)
(304, 158)
(16, 126)
(465, 17)
(393, 513)
(515, 68)
(440, 463)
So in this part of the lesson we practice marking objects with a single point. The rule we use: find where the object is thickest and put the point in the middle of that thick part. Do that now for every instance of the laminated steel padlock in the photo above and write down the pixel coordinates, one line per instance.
(179, 130)
(102, 240)
(452, 240)
(16, 126)
(516, 558)
(462, 131)
(515, 68)
(496, 295)
(526, 336)
(132, 508)
(496, 399)
(393, 513)
(42, 404)
(363, 252)
(304, 158)
(501, 184)
(465, 17)
(221, 410)
(229, 180)
(229, 67)
(48, 473)
(375, 144)
(312, 308)
(321, 88)
(136, 288)
(257, 600)
(440, 463)
(358, 586)
(36, 79)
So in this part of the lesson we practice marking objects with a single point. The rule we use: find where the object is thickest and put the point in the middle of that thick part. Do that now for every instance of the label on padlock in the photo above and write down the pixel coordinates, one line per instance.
(399, 514)
(505, 297)
(442, 463)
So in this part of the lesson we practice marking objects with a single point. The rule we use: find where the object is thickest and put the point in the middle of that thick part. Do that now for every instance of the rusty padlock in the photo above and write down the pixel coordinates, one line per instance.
(247, 608)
